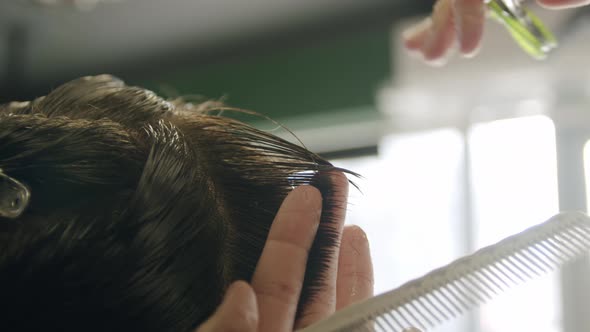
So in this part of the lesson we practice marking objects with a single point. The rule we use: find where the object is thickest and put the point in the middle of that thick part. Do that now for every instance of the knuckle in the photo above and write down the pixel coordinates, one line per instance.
(282, 291)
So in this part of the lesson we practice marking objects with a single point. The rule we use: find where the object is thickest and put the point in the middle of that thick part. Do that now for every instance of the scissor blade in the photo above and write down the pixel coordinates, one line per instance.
(526, 28)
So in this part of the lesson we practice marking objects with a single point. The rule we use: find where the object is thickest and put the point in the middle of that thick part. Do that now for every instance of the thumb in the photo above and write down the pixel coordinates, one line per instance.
(237, 313)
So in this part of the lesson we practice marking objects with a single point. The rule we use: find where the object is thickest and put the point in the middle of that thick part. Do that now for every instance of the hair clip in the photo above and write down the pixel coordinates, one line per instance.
(525, 27)
(14, 197)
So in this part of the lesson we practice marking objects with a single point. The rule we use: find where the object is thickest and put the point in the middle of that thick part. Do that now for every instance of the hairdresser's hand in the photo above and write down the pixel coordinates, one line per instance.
(269, 304)
(458, 21)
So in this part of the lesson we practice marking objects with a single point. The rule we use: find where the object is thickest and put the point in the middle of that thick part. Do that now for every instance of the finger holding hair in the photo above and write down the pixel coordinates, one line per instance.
(278, 278)
(323, 303)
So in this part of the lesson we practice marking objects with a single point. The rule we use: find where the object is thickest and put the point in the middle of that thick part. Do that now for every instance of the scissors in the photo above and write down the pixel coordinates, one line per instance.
(524, 26)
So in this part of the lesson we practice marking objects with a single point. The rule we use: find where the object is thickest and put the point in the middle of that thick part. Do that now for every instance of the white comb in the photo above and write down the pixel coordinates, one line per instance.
(472, 280)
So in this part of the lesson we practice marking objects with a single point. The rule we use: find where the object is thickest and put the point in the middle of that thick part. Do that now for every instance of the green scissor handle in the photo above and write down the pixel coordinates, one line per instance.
(534, 38)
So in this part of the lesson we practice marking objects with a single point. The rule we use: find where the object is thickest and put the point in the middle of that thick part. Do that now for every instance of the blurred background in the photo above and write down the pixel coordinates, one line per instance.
(453, 158)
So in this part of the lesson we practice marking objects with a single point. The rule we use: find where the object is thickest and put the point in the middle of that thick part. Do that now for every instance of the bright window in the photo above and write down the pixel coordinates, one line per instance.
(514, 181)
(413, 207)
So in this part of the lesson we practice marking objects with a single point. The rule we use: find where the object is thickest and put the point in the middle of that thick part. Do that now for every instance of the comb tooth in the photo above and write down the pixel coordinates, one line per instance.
(413, 307)
(562, 254)
(391, 315)
(568, 242)
(373, 323)
(523, 268)
(436, 304)
(580, 238)
(549, 249)
(530, 262)
(500, 268)
(420, 318)
(467, 293)
(449, 292)
(487, 281)
(572, 238)
(462, 295)
(582, 225)
(408, 309)
(483, 273)
(578, 248)
(517, 265)
(458, 297)
(581, 234)
(467, 285)
(382, 323)
(565, 251)
(429, 314)
(435, 314)
(457, 310)
(480, 286)
(492, 269)
(483, 280)
(508, 268)
(379, 323)
(406, 321)
(534, 260)
(530, 252)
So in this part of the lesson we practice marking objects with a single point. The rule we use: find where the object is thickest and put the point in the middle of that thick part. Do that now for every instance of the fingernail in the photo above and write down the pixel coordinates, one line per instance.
(239, 304)
(437, 62)
(416, 29)
(239, 295)
(235, 289)
(469, 42)
(472, 53)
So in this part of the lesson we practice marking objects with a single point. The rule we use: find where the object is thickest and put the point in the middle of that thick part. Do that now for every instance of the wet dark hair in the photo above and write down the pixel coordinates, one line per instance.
(142, 210)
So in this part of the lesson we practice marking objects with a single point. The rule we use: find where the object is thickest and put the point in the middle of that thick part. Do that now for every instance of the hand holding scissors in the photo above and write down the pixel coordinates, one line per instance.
(462, 21)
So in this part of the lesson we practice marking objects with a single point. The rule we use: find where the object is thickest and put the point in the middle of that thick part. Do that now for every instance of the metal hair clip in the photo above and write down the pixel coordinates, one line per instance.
(14, 197)
(525, 27)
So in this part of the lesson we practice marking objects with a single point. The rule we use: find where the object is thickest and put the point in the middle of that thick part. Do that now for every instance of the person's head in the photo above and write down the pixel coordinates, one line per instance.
(141, 211)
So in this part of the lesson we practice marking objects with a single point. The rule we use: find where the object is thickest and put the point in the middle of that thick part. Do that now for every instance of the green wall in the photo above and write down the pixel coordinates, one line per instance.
(329, 76)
